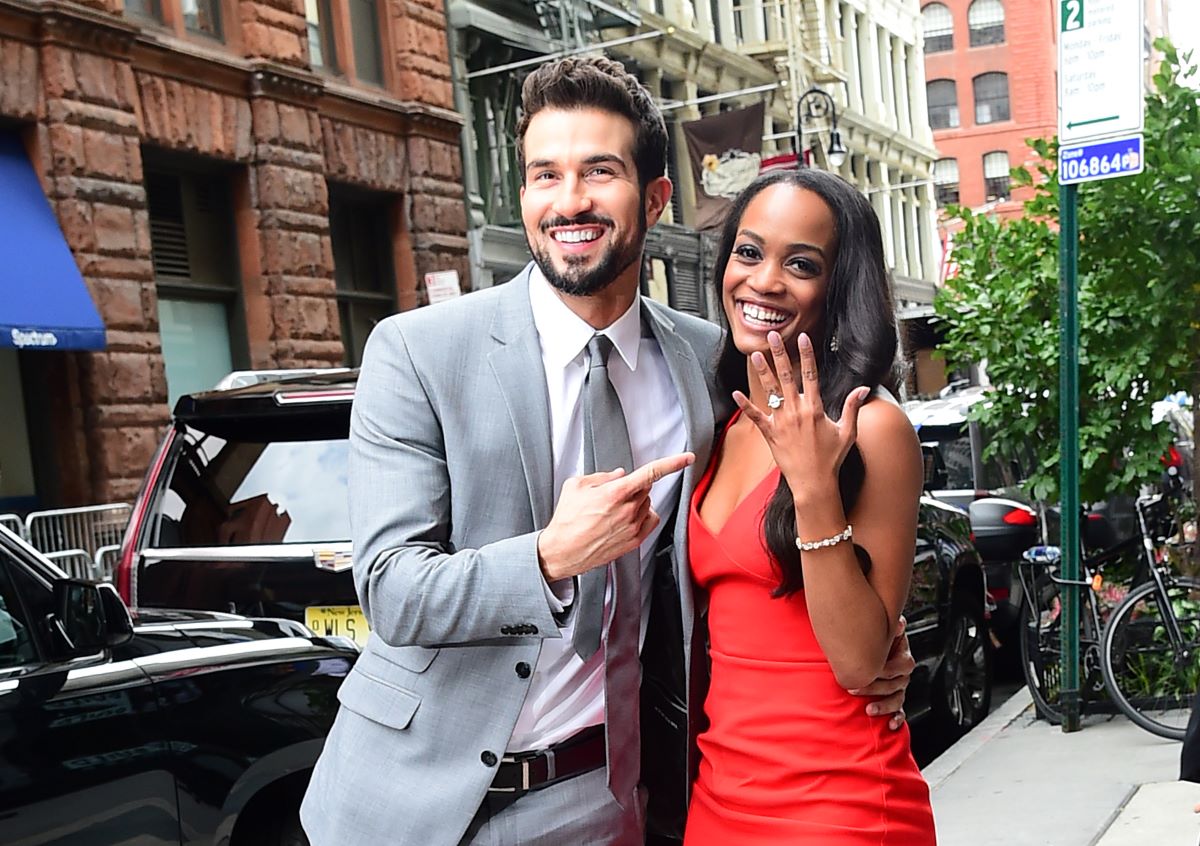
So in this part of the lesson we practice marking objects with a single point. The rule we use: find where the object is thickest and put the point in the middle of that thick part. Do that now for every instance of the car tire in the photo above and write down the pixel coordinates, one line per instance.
(963, 688)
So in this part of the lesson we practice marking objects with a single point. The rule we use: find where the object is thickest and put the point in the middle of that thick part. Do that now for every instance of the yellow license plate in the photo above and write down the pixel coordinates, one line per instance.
(342, 620)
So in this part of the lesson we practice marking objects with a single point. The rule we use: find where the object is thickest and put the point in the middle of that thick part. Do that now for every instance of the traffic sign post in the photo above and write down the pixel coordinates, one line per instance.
(1100, 114)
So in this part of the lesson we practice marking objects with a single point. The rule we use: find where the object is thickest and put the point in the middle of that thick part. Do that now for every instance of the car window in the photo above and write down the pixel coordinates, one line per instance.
(955, 446)
(238, 492)
(16, 639)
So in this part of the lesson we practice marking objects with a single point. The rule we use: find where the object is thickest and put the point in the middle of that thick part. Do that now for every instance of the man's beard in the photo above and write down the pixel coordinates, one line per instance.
(577, 280)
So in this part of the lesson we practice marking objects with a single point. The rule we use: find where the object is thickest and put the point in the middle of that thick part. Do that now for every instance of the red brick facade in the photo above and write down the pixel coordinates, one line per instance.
(1029, 56)
(91, 90)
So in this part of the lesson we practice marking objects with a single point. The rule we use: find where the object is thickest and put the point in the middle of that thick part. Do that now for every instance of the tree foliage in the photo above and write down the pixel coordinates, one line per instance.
(1138, 294)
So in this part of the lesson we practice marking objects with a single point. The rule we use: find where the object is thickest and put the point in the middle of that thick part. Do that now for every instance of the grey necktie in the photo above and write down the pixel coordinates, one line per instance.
(606, 447)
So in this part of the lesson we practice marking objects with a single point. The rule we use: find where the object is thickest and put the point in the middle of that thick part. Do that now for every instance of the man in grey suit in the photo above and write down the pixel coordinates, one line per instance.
(482, 510)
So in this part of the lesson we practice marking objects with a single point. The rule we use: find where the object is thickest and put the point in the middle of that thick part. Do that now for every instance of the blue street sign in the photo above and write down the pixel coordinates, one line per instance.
(1100, 160)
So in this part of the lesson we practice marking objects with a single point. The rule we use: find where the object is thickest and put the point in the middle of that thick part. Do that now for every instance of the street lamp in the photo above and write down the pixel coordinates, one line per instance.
(816, 103)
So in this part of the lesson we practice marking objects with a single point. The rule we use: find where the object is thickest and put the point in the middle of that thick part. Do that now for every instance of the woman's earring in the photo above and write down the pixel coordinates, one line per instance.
(833, 343)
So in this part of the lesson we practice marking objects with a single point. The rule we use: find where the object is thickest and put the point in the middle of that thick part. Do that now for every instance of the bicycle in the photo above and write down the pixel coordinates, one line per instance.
(1141, 656)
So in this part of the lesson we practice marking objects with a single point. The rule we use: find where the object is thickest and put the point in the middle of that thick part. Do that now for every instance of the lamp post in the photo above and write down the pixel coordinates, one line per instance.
(816, 103)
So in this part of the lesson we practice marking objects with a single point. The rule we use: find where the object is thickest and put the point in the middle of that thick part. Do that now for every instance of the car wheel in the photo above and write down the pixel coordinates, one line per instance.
(964, 685)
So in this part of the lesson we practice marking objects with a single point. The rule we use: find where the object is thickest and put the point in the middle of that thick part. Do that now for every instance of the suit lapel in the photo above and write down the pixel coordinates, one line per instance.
(517, 363)
(688, 376)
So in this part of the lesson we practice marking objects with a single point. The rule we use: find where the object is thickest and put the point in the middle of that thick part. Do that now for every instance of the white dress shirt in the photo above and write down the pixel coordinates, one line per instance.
(566, 694)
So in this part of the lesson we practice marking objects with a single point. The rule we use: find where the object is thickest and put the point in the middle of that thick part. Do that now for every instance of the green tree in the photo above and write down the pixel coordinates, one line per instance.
(1139, 302)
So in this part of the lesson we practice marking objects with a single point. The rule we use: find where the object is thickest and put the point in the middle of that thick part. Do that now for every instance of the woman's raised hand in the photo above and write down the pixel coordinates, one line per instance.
(808, 447)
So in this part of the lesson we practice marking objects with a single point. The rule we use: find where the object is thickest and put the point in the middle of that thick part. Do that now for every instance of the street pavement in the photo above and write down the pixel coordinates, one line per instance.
(1018, 781)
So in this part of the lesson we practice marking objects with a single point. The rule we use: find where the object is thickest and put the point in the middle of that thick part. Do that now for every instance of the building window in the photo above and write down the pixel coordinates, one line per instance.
(196, 274)
(997, 185)
(364, 37)
(319, 20)
(945, 181)
(494, 99)
(360, 225)
(939, 28)
(943, 104)
(991, 97)
(149, 10)
(985, 19)
(202, 17)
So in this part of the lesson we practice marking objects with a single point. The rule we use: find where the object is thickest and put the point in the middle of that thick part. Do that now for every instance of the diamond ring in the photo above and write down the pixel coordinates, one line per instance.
(774, 401)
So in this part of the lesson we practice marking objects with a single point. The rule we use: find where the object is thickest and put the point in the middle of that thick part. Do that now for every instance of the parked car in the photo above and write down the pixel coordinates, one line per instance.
(244, 510)
(1004, 521)
(184, 727)
(244, 507)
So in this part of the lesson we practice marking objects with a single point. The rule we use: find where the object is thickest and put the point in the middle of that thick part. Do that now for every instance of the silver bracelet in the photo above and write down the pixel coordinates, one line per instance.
(808, 546)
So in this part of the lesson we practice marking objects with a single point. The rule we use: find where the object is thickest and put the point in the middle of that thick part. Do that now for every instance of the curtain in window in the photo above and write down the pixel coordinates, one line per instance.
(991, 97)
(939, 28)
(985, 19)
(942, 96)
(945, 181)
(995, 175)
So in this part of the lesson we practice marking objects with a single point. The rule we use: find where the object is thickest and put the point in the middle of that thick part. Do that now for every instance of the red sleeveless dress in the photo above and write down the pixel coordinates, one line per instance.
(789, 756)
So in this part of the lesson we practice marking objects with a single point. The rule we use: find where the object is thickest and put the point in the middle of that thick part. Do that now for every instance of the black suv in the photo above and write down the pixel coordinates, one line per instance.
(244, 510)
(182, 727)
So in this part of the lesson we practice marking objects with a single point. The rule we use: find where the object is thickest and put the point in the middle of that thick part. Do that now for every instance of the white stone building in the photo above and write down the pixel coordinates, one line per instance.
(701, 57)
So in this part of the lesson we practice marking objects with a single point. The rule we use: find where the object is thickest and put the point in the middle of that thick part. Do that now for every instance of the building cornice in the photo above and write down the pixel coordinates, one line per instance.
(82, 28)
(156, 51)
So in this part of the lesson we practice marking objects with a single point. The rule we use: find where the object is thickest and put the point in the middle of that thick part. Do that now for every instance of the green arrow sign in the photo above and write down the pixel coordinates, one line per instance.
(1076, 123)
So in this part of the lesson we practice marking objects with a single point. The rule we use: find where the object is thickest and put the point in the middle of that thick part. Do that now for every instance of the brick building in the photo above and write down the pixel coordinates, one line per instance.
(242, 184)
(991, 69)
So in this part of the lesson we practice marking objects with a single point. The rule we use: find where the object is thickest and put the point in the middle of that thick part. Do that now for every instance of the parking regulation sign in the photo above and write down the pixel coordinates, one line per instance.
(1100, 69)
(1100, 160)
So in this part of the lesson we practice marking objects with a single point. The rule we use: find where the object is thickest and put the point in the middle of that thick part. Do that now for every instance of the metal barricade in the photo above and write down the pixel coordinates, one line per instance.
(106, 561)
(87, 528)
(76, 563)
(13, 523)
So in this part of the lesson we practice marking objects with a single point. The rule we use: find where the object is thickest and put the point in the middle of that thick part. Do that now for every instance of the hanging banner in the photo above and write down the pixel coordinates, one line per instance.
(726, 153)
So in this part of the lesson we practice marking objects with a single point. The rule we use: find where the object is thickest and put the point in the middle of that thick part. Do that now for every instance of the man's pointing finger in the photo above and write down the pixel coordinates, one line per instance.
(644, 477)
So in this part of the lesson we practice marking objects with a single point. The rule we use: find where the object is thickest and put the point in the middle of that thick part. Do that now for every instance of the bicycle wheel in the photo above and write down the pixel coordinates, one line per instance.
(1151, 680)
(1041, 646)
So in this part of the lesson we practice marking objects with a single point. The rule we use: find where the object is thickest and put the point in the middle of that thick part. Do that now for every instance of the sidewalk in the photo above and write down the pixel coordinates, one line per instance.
(1018, 781)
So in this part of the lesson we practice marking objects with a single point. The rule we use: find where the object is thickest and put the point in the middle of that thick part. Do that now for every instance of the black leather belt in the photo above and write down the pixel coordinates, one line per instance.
(525, 771)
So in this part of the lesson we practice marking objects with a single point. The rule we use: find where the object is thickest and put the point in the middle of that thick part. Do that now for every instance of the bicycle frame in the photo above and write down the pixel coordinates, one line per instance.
(1174, 633)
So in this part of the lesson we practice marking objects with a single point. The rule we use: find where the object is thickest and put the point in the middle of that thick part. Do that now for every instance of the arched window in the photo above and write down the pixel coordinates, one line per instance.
(942, 96)
(939, 28)
(997, 185)
(985, 19)
(945, 181)
(991, 97)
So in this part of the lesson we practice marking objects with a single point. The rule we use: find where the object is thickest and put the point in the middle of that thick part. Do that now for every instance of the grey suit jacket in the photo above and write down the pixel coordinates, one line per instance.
(450, 481)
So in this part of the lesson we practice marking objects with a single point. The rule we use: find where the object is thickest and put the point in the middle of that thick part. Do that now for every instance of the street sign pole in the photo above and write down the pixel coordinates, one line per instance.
(1068, 468)
(1100, 120)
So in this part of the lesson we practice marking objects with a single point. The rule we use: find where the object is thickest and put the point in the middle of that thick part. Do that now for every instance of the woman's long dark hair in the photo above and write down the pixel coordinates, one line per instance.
(858, 313)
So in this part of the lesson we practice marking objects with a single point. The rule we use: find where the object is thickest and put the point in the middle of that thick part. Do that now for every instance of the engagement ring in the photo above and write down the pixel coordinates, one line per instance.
(774, 401)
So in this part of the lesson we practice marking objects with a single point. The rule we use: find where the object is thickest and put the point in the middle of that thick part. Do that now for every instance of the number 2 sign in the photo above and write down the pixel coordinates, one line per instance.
(1072, 14)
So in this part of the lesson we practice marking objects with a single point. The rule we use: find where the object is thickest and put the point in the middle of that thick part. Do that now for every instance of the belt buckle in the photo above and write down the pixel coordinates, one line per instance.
(525, 769)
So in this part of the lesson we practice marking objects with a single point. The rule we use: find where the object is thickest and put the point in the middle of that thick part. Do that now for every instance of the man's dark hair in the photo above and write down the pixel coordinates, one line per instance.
(597, 83)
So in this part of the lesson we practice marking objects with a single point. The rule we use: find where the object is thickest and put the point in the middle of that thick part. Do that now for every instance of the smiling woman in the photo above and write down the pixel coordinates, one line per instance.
(831, 482)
